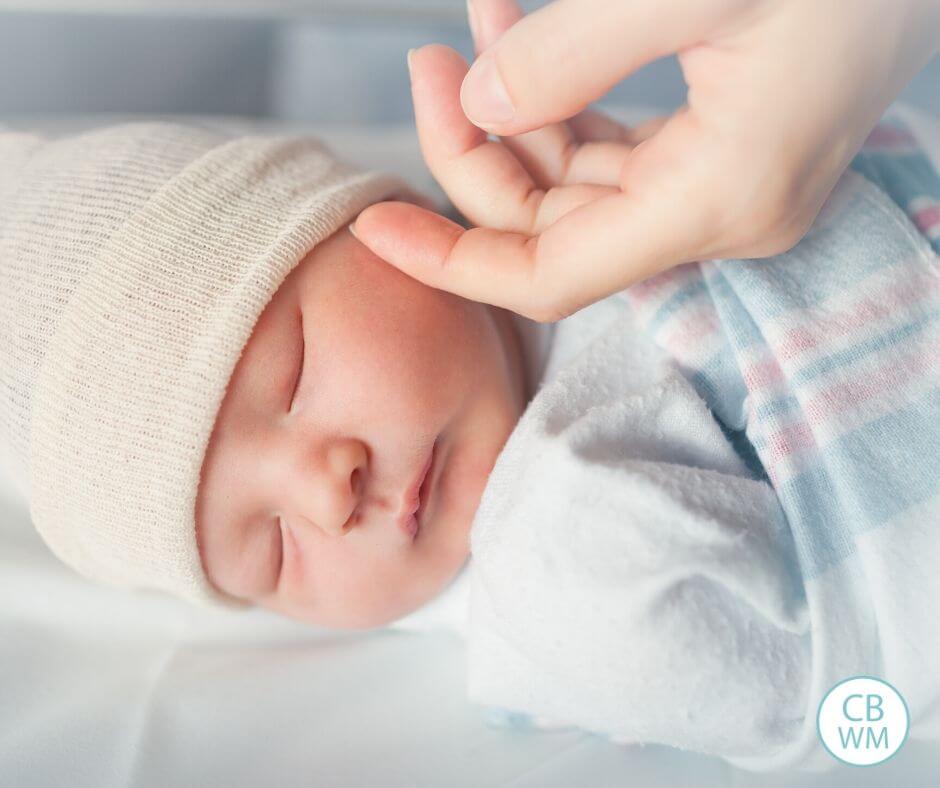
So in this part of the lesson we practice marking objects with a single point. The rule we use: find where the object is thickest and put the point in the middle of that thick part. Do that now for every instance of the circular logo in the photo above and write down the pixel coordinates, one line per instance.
(863, 720)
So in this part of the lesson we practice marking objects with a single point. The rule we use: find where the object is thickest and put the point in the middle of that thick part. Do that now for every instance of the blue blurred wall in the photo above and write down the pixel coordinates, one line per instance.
(341, 67)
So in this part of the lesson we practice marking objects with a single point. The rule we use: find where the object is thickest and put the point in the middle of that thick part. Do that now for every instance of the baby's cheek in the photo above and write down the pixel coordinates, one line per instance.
(428, 356)
(455, 337)
(380, 590)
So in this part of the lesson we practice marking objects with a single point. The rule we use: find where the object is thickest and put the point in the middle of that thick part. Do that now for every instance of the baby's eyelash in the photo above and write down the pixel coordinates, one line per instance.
(279, 562)
(300, 366)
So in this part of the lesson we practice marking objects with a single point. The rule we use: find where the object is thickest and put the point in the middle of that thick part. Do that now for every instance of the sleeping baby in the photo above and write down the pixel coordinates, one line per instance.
(692, 507)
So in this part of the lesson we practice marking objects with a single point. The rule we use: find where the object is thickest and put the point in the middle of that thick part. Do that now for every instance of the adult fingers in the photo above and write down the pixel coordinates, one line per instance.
(552, 154)
(481, 177)
(543, 152)
(442, 254)
(385, 217)
(555, 158)
(645, 130)
(489, 19)
(604, 146)
(591, 125)
(544, 277)
(554, 62)
(602, 245)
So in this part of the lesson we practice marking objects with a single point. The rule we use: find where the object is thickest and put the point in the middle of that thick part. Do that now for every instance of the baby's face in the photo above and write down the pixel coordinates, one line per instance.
(307, 494)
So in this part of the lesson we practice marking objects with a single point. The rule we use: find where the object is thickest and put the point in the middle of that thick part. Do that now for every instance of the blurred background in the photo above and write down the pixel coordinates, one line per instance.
(321, 61)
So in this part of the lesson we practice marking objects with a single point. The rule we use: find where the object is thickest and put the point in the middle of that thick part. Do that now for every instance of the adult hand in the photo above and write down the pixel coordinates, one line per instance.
(781, 94)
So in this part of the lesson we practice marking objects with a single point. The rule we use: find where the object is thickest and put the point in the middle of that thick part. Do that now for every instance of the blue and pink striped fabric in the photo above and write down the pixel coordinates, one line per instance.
(823, 364)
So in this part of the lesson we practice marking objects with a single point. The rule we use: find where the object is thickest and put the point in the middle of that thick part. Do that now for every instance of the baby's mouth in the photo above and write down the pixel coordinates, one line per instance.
(418, 493)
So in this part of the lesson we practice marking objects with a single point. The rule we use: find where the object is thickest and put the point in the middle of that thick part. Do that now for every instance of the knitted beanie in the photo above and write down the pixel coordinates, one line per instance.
(134, 262)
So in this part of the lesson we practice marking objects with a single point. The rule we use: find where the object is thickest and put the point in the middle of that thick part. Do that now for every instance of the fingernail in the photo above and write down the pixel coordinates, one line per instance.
(352, 230)
(483, 94)
(472, 21)
(410, 56)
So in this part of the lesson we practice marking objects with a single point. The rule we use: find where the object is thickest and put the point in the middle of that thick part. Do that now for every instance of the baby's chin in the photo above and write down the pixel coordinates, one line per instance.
(361, 620)
(376, 611)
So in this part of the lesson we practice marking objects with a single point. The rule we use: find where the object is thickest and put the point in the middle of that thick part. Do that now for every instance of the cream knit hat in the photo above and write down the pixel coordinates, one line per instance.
(134, 262)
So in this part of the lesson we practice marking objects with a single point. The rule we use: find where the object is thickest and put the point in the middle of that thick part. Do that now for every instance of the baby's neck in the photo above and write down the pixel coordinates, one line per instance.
(514, 350)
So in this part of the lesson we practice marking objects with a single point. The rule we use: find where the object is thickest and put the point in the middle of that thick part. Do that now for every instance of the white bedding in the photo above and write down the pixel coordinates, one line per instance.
(105, 688)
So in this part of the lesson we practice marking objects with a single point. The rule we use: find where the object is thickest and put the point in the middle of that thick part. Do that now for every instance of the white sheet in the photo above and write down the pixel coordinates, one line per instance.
(105, 688)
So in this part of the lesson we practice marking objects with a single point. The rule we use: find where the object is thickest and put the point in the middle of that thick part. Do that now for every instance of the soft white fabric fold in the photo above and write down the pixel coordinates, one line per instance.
(646, 592)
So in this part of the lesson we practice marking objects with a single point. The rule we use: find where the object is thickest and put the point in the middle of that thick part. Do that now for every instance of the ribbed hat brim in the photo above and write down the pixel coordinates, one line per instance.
(135, 373)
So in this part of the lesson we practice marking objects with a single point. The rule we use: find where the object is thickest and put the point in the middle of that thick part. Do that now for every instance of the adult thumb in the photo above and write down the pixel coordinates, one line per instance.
(552, 63)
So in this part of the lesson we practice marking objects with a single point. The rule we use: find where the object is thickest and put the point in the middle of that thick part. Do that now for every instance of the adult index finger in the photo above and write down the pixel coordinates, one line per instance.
(671, 213)
(594, 250)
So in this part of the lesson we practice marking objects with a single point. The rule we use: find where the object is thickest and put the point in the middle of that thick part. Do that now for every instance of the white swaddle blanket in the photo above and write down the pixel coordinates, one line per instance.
(634, 576)
(630, 576)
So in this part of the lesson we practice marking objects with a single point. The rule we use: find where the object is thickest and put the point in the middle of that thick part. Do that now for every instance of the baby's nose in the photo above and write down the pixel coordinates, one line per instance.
(344, 475)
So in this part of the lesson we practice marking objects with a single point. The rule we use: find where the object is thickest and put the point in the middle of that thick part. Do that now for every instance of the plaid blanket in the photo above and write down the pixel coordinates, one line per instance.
(823, 363)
